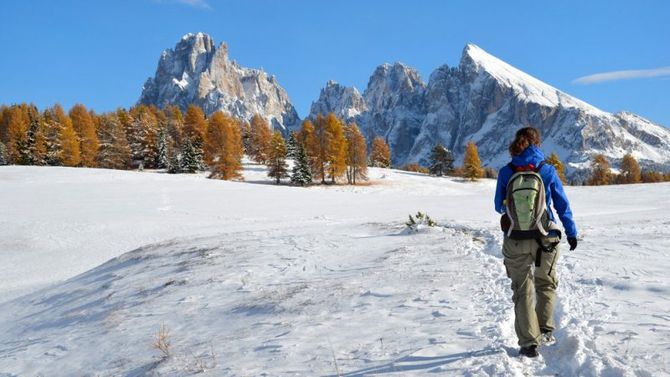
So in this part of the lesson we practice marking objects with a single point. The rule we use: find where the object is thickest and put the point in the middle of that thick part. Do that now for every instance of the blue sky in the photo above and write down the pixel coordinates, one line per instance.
(100, 52)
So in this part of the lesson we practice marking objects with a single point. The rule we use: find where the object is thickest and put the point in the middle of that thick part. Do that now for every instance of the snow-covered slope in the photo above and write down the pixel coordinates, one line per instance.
(486, 100)
(196, 72)
(255, 279)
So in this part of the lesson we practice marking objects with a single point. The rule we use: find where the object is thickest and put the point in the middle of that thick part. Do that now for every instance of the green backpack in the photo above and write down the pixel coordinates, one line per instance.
(526, 204)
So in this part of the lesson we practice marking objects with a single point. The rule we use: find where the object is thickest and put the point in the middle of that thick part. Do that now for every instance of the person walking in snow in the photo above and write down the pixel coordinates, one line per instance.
(525, 191)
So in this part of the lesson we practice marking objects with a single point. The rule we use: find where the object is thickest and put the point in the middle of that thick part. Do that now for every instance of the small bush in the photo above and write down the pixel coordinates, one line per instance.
(490, 173)
(416, 168)
(458, 172)
(652, 177)
(419, 220)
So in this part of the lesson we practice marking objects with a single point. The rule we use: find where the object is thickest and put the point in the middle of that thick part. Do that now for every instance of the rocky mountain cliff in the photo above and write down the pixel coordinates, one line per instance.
(197, 72)
(486, 100)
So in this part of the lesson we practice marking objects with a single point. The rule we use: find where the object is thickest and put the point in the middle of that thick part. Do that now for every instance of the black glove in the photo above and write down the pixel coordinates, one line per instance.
(573, 242)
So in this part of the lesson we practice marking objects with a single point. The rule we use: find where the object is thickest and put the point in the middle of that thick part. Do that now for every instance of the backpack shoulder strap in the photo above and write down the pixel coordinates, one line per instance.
(539, 166)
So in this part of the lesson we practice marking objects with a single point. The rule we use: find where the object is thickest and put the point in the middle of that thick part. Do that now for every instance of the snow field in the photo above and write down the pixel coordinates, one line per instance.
(253, 279)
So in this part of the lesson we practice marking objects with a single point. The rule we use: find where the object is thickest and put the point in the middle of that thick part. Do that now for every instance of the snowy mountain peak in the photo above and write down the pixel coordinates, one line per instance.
(397, 77)
(344, 102)
(392, 84)
(476, 60)
(486, 100)
(196, 72)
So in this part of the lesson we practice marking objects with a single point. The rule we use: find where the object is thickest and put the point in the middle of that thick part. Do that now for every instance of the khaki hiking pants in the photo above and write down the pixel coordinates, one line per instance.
(534, 287)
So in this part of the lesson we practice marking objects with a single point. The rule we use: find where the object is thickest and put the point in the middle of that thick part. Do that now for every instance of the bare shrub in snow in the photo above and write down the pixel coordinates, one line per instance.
(162, 341)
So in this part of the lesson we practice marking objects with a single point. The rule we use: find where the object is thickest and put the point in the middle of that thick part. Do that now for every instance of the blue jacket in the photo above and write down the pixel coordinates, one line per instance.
(552, 187)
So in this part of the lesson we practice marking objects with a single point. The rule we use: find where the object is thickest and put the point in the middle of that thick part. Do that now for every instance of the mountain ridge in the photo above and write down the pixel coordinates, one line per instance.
(197, 72)
(485, 99)
(482, 98)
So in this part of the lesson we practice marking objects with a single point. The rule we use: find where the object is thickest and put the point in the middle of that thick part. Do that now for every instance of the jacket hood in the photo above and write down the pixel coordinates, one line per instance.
(531, 155)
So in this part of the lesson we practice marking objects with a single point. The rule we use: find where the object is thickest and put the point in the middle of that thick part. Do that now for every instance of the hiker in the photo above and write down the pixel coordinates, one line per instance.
(526, 189)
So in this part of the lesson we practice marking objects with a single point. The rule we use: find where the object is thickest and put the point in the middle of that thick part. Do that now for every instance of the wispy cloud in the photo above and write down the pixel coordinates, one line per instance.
(195, 3)
(202, 4)
(622, 75)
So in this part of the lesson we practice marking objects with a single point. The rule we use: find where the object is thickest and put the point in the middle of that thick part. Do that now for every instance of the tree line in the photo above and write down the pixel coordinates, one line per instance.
(145, 137)
(324, 150)
(629, 172)
(441, 162)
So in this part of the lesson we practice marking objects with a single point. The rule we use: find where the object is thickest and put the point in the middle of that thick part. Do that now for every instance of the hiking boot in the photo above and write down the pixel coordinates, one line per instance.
(529, 351)
(547, 337)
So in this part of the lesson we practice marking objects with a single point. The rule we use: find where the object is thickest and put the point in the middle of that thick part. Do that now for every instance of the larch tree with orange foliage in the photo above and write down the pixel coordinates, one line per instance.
(276, 161)
(336, 147)
(318, 148)
(216, 136)
(357, 153)
(17, 124)
(380, 156)
(70, 153)
(195, 125)
(554, 161)
(260, 138)
(630, 170)
(600, 171)
(307, 136)
(84, 126)
(224, 147)
(472, 165)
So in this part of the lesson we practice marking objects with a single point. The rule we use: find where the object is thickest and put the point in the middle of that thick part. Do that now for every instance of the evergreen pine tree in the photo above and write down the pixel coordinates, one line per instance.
(3, 154)
(311, 144)
(195, 129)
(190, 162)
(4, 119)
(54, 155)
(291, 145)
(301, 174)
(471, 163)
(27, 157)
(245, 129)
(441, 161)
(114, 152)
(174, 159)
(36, 146)
(277, 158)
(163, 144)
